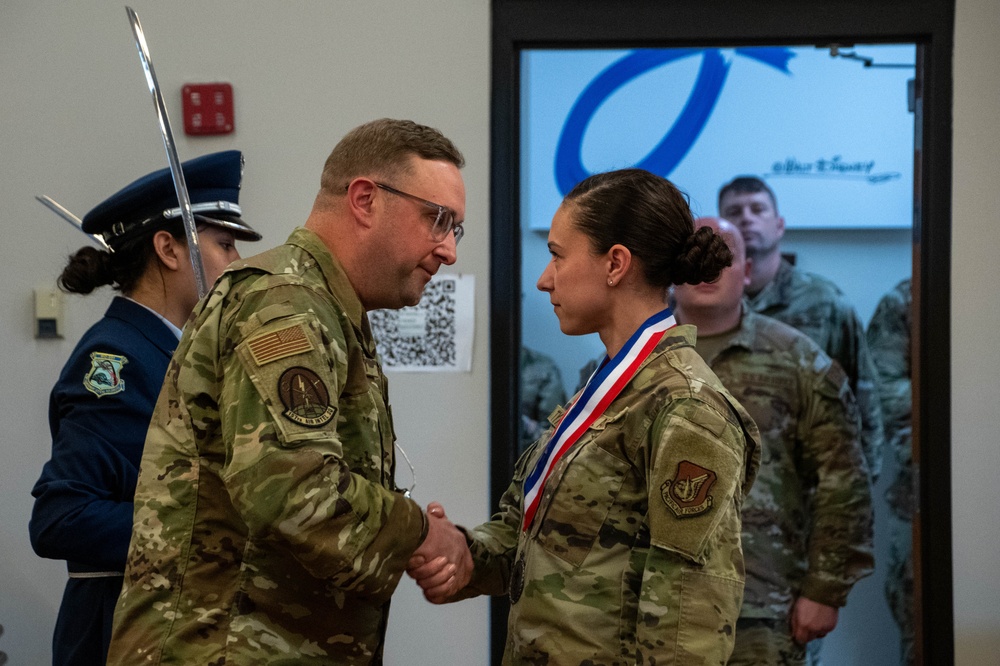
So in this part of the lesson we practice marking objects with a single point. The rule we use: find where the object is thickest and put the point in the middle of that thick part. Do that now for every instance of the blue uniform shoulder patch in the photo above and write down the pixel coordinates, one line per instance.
(105, 374)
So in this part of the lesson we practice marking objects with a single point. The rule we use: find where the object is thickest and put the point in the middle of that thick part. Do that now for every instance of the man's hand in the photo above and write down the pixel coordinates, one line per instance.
(442, 565)
(811, 620)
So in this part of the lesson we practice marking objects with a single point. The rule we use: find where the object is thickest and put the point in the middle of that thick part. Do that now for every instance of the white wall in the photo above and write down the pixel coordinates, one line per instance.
(78, 123)
(975, 329)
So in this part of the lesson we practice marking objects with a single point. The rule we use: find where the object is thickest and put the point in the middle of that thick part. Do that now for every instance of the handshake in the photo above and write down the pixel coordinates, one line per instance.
(442, 564)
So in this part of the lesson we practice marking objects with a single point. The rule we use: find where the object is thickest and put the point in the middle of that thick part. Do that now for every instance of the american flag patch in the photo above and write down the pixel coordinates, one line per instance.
(279, 344)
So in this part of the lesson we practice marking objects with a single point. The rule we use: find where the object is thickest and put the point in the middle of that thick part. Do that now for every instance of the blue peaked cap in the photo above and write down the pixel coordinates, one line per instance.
(150, 203)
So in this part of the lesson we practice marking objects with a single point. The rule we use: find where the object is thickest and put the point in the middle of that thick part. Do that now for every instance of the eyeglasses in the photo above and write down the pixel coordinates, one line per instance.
(444, 222)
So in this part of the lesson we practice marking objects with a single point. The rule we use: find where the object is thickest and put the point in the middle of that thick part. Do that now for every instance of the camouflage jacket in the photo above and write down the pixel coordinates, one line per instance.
(807, 523)
(816, 306)
(542, 391)
(889, 339)
(634, 553)
(266, 528)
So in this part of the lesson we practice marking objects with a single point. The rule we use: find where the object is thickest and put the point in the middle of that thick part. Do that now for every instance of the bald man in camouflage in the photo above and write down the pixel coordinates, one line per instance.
(807, 522)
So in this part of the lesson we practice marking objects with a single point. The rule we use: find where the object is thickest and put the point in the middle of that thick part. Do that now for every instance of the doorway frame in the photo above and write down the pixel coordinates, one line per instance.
(523, 24)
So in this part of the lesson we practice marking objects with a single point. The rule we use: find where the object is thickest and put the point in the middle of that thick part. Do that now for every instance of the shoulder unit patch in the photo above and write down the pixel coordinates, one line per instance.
(687, 493)
(305, 397)
(105, 374)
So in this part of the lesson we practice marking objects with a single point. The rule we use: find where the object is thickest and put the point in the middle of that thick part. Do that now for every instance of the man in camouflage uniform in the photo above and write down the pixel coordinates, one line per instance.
(541, 392)
(806, 301)
(807, 523)
(267, 525)
(889, 338)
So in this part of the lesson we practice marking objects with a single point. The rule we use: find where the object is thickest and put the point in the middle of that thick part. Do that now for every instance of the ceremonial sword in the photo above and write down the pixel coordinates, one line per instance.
(180, 185)
(74, 221)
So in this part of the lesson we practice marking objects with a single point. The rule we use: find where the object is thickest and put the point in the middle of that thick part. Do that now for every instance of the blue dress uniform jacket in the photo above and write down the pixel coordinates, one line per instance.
(83, 500)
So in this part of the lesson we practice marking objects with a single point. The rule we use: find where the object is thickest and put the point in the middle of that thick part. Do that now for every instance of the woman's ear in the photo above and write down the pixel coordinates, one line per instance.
(171, 252)
(619, 263)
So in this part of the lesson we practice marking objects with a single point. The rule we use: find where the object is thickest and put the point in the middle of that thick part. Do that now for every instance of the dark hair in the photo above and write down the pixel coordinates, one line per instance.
(649, 216)
(747, 185)
(89, 268)
(384, 147)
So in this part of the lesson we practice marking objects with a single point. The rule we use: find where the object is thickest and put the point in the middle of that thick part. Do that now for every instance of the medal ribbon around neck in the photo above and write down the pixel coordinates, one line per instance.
(601, 389)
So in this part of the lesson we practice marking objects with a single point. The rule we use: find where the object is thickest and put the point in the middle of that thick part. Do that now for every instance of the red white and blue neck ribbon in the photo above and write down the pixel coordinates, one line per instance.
(601, 390)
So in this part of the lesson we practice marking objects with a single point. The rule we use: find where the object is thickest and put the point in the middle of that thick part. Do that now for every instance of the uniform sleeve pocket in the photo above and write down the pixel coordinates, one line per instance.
(294, 379)
(693, 482)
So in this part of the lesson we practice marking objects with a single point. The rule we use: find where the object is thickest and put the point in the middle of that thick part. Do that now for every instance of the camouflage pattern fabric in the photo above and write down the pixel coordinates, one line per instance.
(766, 643)
(816, 306)
(807, 523)
(542, 391)
(899, 585)
(889, 339)
(266, 526)
(634, 554)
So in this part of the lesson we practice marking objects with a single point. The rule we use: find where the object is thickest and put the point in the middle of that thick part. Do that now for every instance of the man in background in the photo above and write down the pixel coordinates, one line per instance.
(806, 301)
(889, 338)
(807, 522)
(541, 392)
(267, 526)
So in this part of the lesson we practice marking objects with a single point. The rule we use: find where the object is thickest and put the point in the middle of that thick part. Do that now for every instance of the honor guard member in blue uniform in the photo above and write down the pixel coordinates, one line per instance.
(101, 405)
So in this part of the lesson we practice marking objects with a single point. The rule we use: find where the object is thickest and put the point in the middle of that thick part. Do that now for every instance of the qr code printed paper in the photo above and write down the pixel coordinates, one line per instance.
(435, 335)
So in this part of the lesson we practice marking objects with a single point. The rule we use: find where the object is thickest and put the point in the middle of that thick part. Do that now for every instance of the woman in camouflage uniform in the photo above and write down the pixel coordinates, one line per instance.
(619, 539)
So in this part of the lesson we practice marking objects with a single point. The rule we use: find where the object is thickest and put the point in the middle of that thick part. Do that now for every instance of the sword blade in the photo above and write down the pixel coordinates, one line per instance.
(176, 172)
(73, 220)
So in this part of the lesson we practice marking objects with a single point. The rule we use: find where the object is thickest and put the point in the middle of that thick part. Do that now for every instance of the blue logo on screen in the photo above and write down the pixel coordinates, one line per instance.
(676, 143)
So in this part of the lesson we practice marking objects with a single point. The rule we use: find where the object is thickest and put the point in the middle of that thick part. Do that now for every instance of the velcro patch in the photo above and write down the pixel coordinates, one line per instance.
(692, 465)
(279, 344)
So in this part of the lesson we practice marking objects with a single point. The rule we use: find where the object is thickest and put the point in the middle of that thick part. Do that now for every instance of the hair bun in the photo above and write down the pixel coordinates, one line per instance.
(703, 258)
(88, 269)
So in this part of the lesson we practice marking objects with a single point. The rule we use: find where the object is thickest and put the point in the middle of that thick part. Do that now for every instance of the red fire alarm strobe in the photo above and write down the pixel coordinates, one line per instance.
(208, 108)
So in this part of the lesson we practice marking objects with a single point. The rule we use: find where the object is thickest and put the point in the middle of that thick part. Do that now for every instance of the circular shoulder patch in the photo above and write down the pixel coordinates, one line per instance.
(305, 397)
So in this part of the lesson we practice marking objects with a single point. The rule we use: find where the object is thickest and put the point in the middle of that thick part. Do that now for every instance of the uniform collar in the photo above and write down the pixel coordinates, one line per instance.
(682, 335)
(166, 322)
(145, 321)
(748, 337)
(776, 291)
(743, 336)
(336, 279)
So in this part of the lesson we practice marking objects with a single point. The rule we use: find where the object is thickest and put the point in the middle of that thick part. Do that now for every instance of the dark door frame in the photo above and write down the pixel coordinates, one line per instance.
(520, 24)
